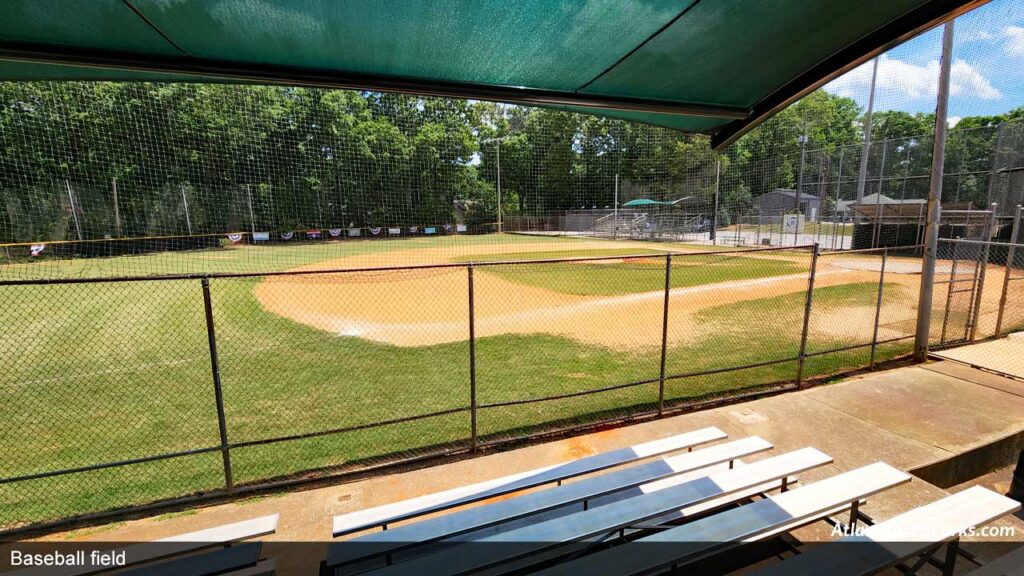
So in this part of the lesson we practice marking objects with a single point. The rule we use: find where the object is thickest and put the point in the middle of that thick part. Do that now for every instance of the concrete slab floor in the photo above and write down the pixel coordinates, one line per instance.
(908, 417)
(1005, 355)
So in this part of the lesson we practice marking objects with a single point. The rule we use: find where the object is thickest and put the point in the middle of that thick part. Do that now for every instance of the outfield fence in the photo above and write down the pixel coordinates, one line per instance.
(115, 403)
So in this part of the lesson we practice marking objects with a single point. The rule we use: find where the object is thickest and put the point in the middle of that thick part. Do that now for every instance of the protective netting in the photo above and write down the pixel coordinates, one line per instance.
(469, 337)
(94, 171)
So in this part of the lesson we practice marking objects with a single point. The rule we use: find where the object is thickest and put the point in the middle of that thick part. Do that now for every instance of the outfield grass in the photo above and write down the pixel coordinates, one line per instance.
(253, 258)
(103, 372)
(609, 278)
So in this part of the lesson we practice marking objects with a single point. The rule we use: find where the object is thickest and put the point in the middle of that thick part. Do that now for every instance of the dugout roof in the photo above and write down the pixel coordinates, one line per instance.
(712, 66)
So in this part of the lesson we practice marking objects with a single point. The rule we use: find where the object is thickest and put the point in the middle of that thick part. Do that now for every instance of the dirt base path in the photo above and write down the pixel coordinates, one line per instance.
(424, 307)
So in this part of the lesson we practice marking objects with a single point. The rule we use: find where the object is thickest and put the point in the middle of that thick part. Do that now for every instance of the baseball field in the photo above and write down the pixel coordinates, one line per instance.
(364, 367)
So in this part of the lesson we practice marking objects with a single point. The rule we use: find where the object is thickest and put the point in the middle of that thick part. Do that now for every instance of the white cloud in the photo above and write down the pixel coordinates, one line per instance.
(1013, 43)
(909, 81)
(966, 80)
(974, 34)
(952, 121)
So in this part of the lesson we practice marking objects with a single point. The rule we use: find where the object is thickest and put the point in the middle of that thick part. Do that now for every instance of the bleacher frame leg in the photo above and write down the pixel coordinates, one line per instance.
(949, 564)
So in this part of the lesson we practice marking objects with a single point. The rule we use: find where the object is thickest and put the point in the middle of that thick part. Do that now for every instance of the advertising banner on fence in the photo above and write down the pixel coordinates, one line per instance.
(261, 236)
(414, 229)
(353, 232)
(460, 228)
(36, 249)
(235, 238)
(394, 231)
(314, 234)
(430, 230)
(287, 235)
(334, 232)
(375, 230)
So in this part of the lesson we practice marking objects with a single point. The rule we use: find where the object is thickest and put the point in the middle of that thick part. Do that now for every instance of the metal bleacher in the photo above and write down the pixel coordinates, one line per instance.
(642, 510)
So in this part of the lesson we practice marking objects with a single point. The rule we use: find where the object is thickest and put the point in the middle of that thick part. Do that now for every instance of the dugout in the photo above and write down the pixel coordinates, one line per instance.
(888, 225)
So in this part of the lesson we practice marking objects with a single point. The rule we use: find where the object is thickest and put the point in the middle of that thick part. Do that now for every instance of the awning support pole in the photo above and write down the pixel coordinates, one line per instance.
(924, 300)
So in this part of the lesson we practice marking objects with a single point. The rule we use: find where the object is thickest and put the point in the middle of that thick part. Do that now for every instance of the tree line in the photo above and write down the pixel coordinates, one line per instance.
(95, 159)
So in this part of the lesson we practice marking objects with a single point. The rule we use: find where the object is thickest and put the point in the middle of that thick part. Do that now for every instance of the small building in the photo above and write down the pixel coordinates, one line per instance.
(845, 207)
(772, 205)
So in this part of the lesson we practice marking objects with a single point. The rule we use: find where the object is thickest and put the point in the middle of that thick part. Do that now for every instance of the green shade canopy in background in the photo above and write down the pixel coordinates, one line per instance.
(649, 202)
(711, 66)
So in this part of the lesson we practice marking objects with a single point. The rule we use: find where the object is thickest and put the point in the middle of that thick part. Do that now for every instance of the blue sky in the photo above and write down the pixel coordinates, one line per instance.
(987, 73)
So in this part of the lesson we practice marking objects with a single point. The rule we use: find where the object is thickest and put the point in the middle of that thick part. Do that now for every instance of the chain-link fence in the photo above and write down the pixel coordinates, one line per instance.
(273, 348)
(830, 203)
(978, 313)
(126, 391)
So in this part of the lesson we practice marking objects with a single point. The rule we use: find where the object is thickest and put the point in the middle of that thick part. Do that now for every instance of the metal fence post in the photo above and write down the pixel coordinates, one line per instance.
(664, 334)
(807, 317)
(1011, 254)
(472, 361)
(979, 289)
(950, 286)
(218, 393)
(878, 307)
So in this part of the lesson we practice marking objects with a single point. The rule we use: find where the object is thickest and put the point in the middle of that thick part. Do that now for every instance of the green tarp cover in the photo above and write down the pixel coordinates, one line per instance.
(712, 66)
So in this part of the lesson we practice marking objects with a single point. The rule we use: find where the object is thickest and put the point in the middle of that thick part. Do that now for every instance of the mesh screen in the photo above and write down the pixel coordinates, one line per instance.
(318, 259)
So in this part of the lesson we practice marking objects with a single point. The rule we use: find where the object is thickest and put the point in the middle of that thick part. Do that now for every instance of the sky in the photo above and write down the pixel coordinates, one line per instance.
(987, 75)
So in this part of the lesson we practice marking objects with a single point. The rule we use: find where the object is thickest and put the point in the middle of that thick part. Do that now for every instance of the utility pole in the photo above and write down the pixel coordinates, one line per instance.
(906, 172)
(188, 218)
(924, 300)
(615, 207)
(74, 212)
(499, 187)
(497, 141)
(862, 175)
(252, 219)
(714, 217)
(835, 207)
(799, 187)
(117, 212)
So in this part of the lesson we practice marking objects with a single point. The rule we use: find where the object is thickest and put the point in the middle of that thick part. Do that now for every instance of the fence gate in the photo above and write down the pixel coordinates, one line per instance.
(963, 253)
(1001, 301)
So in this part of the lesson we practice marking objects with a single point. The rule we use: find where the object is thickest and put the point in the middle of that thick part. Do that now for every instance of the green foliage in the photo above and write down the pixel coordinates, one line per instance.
(767, 156)
(308, 158)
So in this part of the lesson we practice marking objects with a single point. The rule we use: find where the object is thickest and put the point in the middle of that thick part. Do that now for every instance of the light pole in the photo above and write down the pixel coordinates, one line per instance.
(862, 174)
(911, 144)
(497, 140)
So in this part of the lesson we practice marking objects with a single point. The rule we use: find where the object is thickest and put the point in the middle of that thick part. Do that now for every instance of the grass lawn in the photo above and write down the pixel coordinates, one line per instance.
(254, 258)
(102, 372)
(608, 278)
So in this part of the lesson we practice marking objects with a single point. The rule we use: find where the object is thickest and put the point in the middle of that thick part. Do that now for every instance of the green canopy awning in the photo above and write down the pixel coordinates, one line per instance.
(710, 66)
(649, 202)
